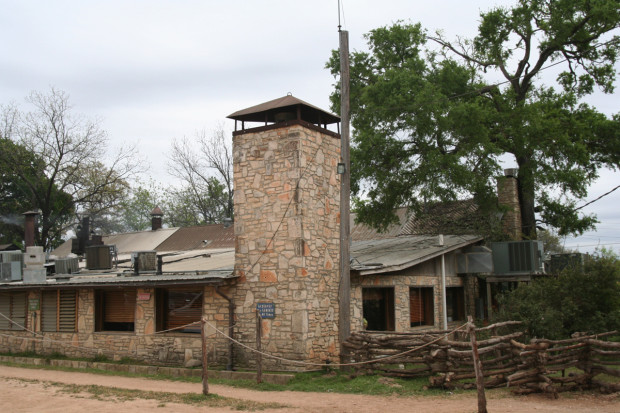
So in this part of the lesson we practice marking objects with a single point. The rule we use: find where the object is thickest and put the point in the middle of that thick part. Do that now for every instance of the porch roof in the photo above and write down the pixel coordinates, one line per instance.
(398, 253)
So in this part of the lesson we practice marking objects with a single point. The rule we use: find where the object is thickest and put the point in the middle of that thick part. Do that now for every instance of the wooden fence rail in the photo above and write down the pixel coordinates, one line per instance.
(538, 366)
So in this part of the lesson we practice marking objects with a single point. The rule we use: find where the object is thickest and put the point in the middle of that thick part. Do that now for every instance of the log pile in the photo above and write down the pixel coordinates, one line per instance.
(446, 359)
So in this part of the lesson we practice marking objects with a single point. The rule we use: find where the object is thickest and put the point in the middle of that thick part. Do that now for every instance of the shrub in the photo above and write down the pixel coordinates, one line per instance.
(578, 300)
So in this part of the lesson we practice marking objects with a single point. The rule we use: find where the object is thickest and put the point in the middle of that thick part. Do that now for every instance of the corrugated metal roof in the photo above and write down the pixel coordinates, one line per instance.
(190, 261)
(266, 111)
(202, 237)
(127, 279)
(394, 254)
(138, 241)
(456, 217)
(361, 232)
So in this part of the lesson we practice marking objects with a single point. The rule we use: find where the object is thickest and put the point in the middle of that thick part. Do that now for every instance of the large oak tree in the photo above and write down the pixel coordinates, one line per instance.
(429, 125)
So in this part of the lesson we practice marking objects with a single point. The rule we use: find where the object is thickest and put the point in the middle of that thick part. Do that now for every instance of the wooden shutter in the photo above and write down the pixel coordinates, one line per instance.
(184, 307)
(5, 310)
(49, 311)
(67, 310)
(119, 306)
(416, 306)
(18, 310)
(421, 306)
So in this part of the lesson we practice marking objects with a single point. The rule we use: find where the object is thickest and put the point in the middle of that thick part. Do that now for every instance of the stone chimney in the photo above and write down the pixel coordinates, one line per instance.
(287, 203)
(29, 224)
(156, 218)
(508, 197)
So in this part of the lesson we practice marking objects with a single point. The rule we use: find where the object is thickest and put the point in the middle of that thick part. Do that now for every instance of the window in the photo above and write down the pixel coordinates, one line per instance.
(421, 306)
(177, 308)
(58, 310)
(378, 308)
(455, 303)
(13, 307)
(115, 310)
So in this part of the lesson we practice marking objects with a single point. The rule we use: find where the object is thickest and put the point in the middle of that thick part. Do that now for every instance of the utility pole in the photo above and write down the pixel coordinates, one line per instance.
(344, 291)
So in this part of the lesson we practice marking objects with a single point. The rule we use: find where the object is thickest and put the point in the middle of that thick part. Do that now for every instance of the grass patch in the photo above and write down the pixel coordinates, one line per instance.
(339, 382)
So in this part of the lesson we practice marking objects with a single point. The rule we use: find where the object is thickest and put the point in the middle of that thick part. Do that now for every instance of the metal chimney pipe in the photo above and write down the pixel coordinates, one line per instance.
(29, 225)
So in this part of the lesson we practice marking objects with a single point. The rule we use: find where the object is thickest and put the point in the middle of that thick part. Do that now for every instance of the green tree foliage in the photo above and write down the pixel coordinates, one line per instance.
(73, 172)
(184, 206)
(578, 300)
(135, 210)
(428, 126)
(16, 196)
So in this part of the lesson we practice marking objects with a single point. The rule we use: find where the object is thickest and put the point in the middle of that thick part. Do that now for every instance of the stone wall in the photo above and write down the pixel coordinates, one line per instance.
(427, 274)
(142, 344)
(287, 240)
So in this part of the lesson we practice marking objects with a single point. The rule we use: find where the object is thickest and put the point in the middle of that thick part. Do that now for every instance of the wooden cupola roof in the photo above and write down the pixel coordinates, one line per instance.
(285, 110)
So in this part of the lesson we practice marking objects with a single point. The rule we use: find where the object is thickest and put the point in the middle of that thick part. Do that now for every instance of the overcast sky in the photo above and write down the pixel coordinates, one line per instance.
(155, 70)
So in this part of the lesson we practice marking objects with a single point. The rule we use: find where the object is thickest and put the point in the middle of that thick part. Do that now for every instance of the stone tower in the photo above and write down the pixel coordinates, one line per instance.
(287, 228)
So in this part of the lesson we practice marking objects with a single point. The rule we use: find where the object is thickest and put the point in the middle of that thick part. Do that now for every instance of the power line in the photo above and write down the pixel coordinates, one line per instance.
(594, 200)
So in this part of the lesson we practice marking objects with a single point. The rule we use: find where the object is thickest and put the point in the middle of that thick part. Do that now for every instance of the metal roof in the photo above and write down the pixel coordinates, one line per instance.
(126, 279)
(265, 112)
(395, 254)
(190, 261)
(200, 237)
(138, 241)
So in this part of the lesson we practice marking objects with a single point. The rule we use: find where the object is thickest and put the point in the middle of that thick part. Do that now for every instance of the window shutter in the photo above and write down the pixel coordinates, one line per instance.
(184, 307)
(416, 306)
(18, 311)
(49, 310)
(120, 306)
(5, 309)
(67, 307)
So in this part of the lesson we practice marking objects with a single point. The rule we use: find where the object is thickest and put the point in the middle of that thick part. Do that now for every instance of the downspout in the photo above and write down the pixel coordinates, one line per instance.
(231, 327)
(444, 306)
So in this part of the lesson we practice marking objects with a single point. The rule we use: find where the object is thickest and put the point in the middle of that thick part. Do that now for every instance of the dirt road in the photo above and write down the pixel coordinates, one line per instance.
(30, 390)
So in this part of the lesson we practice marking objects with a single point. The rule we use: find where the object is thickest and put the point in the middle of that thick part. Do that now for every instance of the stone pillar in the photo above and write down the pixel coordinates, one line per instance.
(287, 239)
(508, 197)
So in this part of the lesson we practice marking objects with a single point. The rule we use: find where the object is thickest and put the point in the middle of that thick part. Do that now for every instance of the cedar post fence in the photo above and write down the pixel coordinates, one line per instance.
(482, 400)
(528, 368)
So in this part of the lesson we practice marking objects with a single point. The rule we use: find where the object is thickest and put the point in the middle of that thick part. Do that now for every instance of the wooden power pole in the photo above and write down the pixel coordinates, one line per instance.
(344, 291)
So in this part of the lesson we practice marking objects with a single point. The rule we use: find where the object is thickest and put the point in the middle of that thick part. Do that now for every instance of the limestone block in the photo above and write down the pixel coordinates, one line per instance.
(300, 321)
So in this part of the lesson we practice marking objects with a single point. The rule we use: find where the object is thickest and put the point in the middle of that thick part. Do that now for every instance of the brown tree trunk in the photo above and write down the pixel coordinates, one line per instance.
(527, 197)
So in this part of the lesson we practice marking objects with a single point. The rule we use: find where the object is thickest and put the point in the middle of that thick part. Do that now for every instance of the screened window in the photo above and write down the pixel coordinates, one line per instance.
(177, 308)
(421, 306)
(13, 307)
(378, 308)
(115, 310)
(59, 310)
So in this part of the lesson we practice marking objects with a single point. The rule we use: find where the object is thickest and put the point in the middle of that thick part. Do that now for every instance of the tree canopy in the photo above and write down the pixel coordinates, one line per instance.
(60, 166)
(204, 166)
(428, 125)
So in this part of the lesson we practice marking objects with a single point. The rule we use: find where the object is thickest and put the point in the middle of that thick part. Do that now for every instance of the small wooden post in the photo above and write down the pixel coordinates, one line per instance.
(482, 400)
(259, 356)
(205, 376)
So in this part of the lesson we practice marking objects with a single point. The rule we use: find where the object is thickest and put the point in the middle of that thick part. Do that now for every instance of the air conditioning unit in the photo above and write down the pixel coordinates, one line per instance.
(147, 260)
(99, 257)
(518, 257)
(477, 260)
(13, 264)
(67, 265)
(561, 262)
